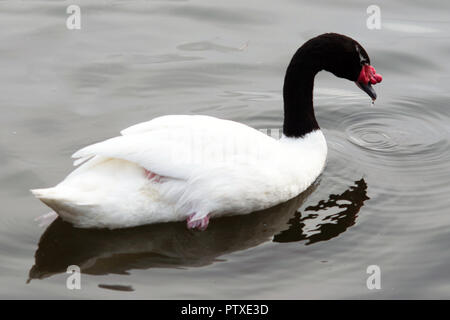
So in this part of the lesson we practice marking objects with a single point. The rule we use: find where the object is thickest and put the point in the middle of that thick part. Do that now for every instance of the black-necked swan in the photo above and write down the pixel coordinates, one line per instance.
(196, 167)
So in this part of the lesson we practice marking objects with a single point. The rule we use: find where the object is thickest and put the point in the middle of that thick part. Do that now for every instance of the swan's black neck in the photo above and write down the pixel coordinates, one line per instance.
(299, 118)
(331, 52)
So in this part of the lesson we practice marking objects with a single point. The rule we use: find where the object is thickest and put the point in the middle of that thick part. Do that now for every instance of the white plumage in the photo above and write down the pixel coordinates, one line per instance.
(208, 166)
(194, 168)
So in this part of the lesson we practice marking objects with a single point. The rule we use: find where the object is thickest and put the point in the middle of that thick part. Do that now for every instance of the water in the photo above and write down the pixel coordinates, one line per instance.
(382, 199)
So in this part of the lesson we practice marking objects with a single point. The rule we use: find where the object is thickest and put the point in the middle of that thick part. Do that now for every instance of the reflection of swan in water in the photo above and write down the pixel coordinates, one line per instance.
(318, 227)
(171, 245)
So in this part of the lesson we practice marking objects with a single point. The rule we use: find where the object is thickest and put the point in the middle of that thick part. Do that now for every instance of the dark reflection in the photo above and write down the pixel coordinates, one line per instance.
(116, 287)
(171, 245)
(327, 226)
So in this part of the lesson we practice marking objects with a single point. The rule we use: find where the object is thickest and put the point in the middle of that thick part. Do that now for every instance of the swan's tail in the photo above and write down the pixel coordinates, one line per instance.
(61, 201)
(46, 193)
(52, 197)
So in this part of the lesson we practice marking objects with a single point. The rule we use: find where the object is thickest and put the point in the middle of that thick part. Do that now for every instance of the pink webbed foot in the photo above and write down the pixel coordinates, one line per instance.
(200, 224)
(152, 176)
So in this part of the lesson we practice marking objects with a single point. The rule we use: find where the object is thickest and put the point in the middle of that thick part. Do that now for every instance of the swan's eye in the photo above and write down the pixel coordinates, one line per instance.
(362, 60)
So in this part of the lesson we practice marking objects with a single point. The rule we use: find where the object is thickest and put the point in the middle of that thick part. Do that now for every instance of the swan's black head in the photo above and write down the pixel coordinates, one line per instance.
(342, 56)
(336, 53)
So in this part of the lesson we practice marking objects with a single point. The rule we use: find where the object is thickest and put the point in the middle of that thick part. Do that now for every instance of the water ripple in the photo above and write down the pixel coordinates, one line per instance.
(402, 137)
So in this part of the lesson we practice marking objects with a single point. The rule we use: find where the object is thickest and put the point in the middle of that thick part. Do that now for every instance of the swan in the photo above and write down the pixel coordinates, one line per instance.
(195, 167)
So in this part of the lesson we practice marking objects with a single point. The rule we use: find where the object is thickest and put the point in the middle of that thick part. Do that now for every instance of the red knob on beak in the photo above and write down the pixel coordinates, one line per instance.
(367, 77)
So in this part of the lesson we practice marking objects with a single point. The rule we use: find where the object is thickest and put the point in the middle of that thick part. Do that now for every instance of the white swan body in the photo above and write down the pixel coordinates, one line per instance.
(208, 166)
(193, 168)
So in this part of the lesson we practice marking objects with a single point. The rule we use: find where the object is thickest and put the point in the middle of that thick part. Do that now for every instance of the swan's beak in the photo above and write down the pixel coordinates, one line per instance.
(367, 88)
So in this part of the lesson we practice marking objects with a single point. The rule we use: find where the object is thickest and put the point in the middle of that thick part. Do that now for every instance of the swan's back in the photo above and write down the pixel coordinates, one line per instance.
(205, 166)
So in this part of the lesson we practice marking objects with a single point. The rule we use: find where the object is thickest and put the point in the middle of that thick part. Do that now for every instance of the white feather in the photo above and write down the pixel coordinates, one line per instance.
(208, 166)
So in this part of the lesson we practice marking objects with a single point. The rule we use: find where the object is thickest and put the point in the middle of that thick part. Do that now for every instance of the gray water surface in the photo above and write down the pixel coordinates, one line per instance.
(383, 198)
